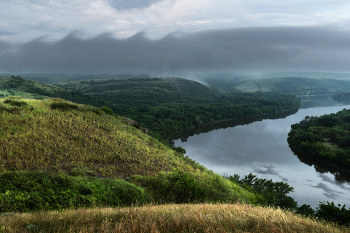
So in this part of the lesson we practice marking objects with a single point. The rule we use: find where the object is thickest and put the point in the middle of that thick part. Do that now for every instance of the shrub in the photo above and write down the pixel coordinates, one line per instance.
(63, 106)
(26, 191)
(175, 187)
(333, 213)
(305, 210)
(107, 110)
(14, 102)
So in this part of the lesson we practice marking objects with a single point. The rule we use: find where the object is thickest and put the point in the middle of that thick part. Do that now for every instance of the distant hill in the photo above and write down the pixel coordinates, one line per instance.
(292, 85)
(53, 78)
(146, 90)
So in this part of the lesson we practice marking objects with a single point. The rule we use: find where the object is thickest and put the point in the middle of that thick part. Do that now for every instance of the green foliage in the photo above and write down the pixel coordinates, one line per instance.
(25, 191)
(16, 102)
(333, 213)
(273, 193)
(324, 138)
(305, 210)
(175, 187)
(107, 110)
(63, 106)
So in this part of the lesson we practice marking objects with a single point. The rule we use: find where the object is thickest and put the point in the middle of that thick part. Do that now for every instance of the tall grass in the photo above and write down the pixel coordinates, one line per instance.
(166, 218)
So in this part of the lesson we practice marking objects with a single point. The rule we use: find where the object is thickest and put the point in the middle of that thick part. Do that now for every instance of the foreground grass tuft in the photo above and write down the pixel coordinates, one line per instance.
(166, 218)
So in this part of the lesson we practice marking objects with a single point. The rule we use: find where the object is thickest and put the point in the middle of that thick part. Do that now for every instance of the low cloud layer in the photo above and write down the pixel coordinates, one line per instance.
(245, 49)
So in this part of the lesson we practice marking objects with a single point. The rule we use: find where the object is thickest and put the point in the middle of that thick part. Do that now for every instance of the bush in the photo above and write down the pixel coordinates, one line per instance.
(27, 191)
(305, 210)
(330, 212)
(274, 193)
(107, 110)
(175, 187)
(63, 106)
(18, 103)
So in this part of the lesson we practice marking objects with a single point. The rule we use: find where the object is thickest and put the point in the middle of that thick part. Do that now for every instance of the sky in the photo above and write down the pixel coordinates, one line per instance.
(165, 36)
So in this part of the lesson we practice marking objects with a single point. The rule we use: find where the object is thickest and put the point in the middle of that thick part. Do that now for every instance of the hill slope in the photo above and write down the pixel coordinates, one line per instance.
(59, 138)
(17, 86)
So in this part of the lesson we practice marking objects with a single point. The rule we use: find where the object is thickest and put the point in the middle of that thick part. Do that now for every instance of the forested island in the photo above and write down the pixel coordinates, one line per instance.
(325, 138)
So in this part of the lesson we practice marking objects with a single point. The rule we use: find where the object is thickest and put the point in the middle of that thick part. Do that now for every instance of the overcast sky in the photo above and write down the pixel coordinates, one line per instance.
(111, 36)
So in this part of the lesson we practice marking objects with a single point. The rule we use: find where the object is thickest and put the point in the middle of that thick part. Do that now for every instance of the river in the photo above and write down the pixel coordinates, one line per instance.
(259, 146)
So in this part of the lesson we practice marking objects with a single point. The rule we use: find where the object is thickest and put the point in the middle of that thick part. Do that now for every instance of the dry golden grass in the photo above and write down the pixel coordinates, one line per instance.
(166, 218)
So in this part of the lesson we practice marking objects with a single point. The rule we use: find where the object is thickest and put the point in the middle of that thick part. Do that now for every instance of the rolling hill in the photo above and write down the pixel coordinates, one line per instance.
(60, 138)
(292, 85)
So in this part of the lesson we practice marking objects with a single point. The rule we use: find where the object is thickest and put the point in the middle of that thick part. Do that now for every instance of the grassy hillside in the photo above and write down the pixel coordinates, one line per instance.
(61, 138)
(292, 85)
(167, 218)
(17, 86)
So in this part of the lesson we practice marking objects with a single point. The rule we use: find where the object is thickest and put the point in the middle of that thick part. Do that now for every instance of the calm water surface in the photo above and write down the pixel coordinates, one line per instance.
(261, 148)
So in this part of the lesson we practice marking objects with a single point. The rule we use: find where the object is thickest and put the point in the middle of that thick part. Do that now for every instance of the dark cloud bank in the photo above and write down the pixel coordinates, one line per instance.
(246, 49)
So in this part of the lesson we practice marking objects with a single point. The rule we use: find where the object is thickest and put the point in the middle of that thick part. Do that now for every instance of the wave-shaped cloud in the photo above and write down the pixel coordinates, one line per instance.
(245, 49)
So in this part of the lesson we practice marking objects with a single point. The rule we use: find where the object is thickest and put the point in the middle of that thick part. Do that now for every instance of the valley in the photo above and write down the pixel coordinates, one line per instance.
(97, 150)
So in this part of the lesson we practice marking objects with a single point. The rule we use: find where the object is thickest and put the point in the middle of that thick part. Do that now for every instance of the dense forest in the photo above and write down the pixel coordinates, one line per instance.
(324, 138)
(168, 118)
